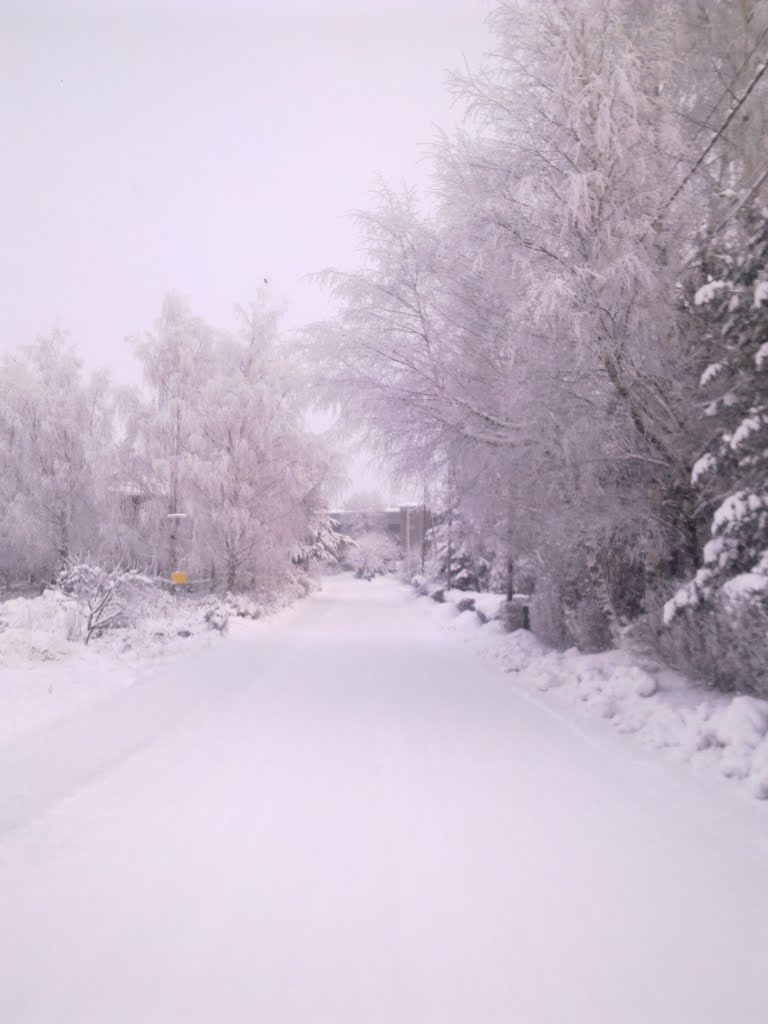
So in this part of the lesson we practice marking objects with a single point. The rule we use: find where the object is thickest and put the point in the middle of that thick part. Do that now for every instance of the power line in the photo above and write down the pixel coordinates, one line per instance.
(732, 82)
(710, 145)
(716, 231)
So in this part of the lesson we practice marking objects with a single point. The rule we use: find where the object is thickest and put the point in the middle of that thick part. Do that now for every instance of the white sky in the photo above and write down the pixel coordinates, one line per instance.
(203, 146)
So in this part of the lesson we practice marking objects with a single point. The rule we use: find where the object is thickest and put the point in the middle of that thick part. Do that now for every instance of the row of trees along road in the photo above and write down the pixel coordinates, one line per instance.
(207, 468)
(531, 344)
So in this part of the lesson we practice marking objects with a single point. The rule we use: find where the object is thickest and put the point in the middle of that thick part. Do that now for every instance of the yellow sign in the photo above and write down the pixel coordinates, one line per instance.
(178, 578)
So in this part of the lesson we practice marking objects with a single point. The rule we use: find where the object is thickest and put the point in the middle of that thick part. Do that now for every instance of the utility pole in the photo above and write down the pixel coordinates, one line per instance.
(449, 572)
(423, 526)
(173, 510)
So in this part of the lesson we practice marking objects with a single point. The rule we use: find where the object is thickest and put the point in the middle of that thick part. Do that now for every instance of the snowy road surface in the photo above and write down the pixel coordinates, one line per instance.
(346, 816)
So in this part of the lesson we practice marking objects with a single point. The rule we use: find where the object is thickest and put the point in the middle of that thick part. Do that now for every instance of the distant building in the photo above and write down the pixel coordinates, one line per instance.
(415, 521)
(407, 524)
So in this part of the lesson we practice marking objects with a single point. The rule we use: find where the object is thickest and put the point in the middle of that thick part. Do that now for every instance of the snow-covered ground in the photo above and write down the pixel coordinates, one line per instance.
(638, 695)
(47, 672)
(45, 675)
(343, 814)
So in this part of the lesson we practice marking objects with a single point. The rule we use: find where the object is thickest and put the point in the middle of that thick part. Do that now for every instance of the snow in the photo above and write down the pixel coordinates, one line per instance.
(681, 718)
(45, 675)
(740, 729)
(486, 606)
(748, 426)
(686, 597)
(656, 705)
(708, 291)
(734, 509)
(490, 605)
(745, 584)
(715, 552)
(51, 613)
(702, 466)
(710, 373)
(343, 814)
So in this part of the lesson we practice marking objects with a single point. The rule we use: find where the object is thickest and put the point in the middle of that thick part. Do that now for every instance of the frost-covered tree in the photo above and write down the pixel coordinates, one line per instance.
(393, 357)
(732, 474)
(257, 475)
(208, 468)
(569, 179)
(518, 337)
(177, 360)
(233, 482)
(322, 543)
(55, 435)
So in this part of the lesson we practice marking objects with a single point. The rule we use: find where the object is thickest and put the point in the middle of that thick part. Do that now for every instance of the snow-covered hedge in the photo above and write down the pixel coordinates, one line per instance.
(723, 640)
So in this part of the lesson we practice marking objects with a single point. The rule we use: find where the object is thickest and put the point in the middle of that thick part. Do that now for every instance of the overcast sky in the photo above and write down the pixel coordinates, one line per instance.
(203, 146)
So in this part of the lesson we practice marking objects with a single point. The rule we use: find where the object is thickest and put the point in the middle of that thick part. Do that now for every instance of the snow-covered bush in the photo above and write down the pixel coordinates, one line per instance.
(420, 584)
(571, 606)
(372, 554)
(724, 640)
(216, 618)
(105, 598)
(242, 606)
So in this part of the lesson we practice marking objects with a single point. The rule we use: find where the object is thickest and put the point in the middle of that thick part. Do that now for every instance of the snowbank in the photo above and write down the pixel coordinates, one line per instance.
(485, 605)
(47, 672)
(661, 708)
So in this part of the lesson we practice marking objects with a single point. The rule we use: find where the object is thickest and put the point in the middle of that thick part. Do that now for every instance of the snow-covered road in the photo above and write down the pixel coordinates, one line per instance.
(345, 816)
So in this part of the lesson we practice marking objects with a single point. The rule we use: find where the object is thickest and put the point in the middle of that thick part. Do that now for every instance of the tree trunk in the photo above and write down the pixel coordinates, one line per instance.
(602, 594)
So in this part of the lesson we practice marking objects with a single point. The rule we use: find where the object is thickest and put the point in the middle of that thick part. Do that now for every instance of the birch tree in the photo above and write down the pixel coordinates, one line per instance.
(55, 431)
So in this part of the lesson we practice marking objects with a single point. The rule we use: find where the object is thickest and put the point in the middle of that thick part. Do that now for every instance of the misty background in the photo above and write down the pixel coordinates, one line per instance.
(204, 147)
